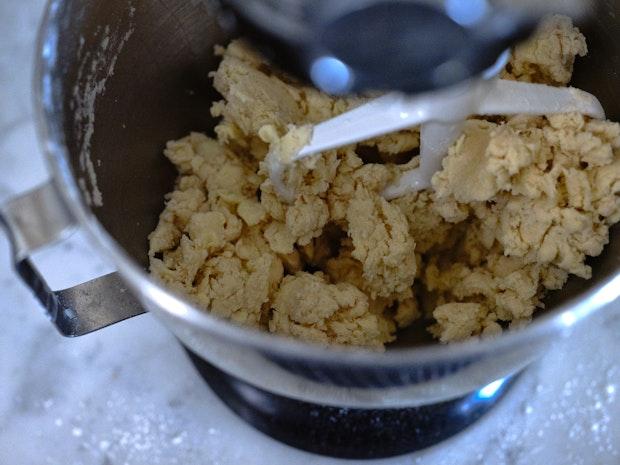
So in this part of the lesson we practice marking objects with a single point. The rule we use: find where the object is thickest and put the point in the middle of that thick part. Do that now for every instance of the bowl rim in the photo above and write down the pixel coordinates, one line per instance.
(51, 139)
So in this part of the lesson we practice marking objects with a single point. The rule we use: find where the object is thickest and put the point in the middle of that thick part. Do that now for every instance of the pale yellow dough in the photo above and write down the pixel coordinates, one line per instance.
(519, 205)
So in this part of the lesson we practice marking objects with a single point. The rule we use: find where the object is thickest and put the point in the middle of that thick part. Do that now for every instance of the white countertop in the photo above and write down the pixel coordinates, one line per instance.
(128, 395)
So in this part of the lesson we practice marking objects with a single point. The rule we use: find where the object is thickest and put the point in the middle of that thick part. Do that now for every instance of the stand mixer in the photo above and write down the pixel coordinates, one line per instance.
(153, 72)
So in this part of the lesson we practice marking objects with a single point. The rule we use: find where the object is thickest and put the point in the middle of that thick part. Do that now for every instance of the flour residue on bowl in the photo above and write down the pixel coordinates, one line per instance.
(96, 67)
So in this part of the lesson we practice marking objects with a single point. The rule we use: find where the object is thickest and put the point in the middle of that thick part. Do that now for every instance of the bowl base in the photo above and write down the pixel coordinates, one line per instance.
(350, 433)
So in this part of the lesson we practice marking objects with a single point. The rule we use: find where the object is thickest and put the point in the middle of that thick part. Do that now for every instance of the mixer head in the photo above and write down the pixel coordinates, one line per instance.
(413, 46)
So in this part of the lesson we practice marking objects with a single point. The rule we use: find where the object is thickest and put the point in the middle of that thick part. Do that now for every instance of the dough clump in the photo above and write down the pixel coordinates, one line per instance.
(519, 205)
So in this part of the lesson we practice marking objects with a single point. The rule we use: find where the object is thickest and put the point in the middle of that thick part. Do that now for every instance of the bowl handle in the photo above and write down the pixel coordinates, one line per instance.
(40, 218)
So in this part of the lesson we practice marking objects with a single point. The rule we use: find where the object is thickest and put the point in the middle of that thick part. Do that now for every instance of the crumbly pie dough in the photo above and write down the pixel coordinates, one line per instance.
(518, 206)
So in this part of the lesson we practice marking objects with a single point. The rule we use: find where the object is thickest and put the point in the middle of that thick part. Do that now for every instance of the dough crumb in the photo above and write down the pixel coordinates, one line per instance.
(548, 57)
(336, 313)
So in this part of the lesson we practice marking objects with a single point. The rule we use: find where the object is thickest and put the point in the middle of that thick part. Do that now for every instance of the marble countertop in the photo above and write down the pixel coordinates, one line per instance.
(128, 394)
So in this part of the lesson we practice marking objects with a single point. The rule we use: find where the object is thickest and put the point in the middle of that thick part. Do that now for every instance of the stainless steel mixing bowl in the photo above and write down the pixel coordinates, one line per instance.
(114, 81)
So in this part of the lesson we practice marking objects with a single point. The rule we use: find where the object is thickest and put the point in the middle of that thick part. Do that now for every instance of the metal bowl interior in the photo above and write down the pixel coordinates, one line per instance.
(118, 79)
